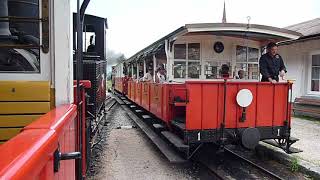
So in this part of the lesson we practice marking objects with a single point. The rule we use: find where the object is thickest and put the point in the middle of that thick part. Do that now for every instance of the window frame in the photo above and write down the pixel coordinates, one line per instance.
(309, 91)
(186, 61)
(247, 62)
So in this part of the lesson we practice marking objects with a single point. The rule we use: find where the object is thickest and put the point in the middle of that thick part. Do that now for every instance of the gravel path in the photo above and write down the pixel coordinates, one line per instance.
(309, 134)
(128, 154)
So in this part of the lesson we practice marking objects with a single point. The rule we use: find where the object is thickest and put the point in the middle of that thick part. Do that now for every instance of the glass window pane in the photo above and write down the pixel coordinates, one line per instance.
(180, 51)
(211, 70)
(253, 55)
(314, 85)
(194, 70)
(253, 71)
(316, 60)
(179, 69)
(241, 54)
(241, 67)
(194, 51)
(315, 73)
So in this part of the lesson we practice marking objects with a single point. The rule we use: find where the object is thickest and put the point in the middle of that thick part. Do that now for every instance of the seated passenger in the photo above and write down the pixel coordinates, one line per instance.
(240, 74)
(161, 75)
(224, 71)
(148, 76)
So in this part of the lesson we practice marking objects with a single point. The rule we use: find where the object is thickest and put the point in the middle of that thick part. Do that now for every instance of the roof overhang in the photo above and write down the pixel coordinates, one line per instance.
(261, 33)
(251, 31)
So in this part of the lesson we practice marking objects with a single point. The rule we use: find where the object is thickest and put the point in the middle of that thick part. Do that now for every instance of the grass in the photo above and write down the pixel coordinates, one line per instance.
(307, 118)
(294, 167)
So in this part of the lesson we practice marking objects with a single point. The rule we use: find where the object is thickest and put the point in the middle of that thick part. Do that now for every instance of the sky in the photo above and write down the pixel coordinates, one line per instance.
(135, 24)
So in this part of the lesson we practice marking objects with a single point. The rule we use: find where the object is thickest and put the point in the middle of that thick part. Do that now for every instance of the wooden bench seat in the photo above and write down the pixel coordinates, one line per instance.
(22, 102)
(307, 106)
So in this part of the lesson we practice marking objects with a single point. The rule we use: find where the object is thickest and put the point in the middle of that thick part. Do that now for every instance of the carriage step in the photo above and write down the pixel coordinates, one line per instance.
(293, 139)
(274, 143)
(139, 111)
(179, 125)
(127, 102)
(158, 126)
(175, 140)
(133, 106)
(146, 117)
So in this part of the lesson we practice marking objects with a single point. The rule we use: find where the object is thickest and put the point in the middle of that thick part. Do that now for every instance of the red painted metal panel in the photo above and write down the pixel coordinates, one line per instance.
(138, 93)
(194, 107)
(26, 155)
(166, 103)
(210, 106)
(29, 155)
(265, 109)
(280, 98)
(129, 89)
(156, 99)
(133, 91)
(145, 101)
(206, 104)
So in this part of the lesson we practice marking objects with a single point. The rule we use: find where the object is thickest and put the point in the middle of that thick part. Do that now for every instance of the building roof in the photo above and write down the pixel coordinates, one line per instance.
(307, 28)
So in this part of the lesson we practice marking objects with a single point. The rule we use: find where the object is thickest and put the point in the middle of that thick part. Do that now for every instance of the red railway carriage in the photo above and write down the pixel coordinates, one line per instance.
(211, 111)
(202, 100)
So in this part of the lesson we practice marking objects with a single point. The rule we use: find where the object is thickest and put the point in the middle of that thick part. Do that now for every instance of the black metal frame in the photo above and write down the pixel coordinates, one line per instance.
(79, 74)
(231, 135)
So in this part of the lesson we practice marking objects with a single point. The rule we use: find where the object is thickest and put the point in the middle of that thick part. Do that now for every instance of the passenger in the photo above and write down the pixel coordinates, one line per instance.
(148, 76)
(271, 64)
(161, 75)
(224, 71)
(240, 74)
(134, 78)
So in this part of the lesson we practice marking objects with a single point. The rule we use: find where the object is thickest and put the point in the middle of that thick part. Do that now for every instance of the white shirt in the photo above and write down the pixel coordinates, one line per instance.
(161, 77)
(147, 77)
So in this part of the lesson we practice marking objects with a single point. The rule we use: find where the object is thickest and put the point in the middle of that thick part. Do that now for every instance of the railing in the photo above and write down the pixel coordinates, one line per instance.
(39, 150)
(30, 155)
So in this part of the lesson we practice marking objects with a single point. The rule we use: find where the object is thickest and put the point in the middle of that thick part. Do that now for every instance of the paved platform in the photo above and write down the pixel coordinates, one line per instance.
(308, 132)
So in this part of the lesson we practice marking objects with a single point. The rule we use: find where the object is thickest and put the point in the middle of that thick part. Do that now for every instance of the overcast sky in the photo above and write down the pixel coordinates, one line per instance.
(134, 24)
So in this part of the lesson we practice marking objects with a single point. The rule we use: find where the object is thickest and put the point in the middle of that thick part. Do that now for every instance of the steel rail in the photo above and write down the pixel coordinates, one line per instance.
(264, 170)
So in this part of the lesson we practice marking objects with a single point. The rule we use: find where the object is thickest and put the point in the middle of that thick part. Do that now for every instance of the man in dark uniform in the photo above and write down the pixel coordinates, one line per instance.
(271, 64)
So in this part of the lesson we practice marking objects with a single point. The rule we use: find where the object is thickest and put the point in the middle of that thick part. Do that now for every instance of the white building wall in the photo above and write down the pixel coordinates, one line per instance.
(297, 59)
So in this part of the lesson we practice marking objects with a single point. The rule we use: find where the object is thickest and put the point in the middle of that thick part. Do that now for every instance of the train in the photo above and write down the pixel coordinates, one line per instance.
(52, 88)
(203, 100)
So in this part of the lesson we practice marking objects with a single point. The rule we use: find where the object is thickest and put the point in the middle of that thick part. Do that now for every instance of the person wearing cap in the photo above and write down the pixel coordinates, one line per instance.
(272, 65)
(148, 76)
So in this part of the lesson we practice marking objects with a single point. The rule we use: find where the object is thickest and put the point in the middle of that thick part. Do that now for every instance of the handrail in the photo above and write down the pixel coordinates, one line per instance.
(30, 154)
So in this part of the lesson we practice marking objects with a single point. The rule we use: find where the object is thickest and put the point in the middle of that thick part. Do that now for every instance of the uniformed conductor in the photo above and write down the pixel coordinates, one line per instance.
(271, 64)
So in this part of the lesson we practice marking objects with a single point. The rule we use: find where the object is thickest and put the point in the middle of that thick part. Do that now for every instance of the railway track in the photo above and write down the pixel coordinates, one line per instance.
(230, 164)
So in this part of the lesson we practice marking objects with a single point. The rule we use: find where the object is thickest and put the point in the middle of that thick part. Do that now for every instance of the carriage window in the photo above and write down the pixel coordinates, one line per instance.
(180, 51)
(194, 70)
(186, 62)
(194, 51)
(20, 47)
(211, 70)
(315, 73)
(247, 59)
(179, 69)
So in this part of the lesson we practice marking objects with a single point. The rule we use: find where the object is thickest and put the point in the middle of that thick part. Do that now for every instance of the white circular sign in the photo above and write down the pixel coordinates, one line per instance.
(244, 97)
